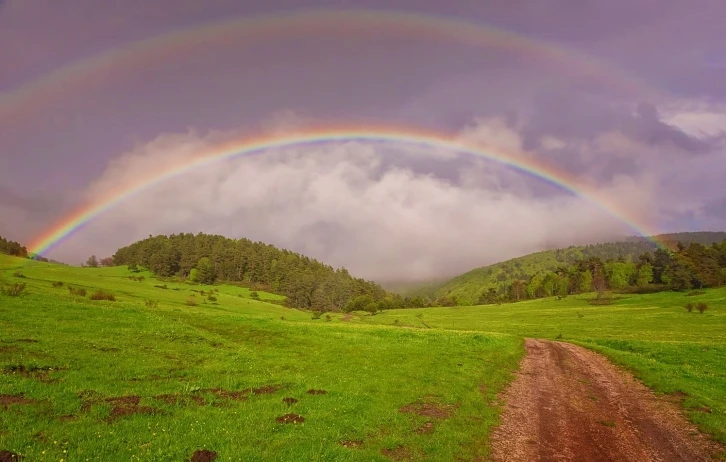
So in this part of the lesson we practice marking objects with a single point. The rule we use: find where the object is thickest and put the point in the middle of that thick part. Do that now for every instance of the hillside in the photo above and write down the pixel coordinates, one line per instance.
(149, 376)
(306, 282)
(467, 288)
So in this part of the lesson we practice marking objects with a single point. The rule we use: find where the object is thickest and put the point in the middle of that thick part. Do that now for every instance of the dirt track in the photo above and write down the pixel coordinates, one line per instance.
(570, 404)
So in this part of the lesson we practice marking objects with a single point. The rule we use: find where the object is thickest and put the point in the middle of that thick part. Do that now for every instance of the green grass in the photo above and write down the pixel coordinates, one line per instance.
(672, 351)
(68, 354)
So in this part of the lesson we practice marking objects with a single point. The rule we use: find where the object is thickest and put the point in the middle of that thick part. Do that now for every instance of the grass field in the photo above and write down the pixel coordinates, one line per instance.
(120, 380)
(674, 352)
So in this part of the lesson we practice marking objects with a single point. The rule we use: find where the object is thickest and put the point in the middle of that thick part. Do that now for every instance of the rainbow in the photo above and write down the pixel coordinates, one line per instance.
(151, 51)
(316, 136)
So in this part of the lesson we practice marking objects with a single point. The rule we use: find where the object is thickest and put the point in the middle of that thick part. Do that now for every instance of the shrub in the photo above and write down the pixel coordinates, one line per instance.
(57, 284)
(689, 307)
(14, 290)
(161, 287)
(77, 291)
(701, 307)
(137, 278)
(695, 292)
(151, 303)
(192, 301)
(256, 296)
(317, 314)
(328, 318)
(212, 298)
(18, 274)
(101, 295)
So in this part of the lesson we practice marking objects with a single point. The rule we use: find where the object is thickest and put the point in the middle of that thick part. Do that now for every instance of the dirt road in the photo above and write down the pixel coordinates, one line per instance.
(570, 404)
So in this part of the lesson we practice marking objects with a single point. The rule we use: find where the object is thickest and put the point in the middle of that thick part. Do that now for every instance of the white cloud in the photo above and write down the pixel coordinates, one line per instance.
(697, 118)
(340, 203)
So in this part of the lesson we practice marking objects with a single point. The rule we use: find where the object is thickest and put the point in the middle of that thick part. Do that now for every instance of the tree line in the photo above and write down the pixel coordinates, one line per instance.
(695, 266)
(305, 282)
(12, 248)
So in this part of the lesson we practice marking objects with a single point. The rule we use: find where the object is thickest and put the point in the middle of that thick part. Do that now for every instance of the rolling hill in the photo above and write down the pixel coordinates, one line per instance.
(467, 288)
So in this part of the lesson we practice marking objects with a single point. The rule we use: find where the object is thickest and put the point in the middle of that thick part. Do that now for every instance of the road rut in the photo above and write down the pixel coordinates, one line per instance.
(570, 404)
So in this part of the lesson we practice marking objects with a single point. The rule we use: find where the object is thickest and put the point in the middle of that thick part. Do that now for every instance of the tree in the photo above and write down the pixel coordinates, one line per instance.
(205, 271)
(645, 275)
(92, 261)
(108, 261)
(598, 281)
(194, 275)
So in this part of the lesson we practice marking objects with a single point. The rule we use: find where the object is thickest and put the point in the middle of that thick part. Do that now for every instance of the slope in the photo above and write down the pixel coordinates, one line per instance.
(84, 379)
(467, 288)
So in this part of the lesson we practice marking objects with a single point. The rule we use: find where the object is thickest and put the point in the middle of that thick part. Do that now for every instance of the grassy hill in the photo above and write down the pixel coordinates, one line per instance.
(86, 379)
(150, 377)
(468, 286)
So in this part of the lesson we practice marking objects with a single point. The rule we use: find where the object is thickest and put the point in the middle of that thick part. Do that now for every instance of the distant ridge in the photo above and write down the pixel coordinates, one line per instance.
(467, 287)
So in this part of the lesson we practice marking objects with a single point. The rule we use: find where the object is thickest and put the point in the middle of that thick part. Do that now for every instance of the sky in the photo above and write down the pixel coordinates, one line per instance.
(628, 96)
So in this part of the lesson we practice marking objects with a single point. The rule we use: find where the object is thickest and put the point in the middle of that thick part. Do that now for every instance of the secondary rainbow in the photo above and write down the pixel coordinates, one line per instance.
(393, 135)
(257, 29)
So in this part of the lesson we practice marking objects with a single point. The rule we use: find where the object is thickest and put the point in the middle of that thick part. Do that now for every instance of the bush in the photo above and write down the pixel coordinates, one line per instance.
(328, 318)
(137, 278)
(101, 295)
(18, 274)
(701, 307)
(161, 287)
(212, 298)
(57, 284)
(256, 296)
(151, 303)
(77, 291)
(317, 314)
(192, 301)
(14, 290)
(689, 307)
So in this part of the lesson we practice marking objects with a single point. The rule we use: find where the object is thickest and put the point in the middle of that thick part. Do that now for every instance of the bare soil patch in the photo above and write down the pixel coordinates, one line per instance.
(317, 392)
(290, 418)
(267, 389)
(203, 455)
(127, 405)
(430, 409)
(351, 444)
(180, 399)
(426, 429)
(570, 404)
(7, 456)
(289, 401)
(8, 400)
(226, 394)
(397, 454)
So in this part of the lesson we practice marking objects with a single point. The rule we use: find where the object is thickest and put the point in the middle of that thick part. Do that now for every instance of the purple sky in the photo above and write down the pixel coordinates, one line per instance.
(657, 150)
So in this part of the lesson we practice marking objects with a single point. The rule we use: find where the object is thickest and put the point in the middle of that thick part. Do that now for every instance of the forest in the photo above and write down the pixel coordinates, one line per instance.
(206, 259)
(12, 248)
(695, 266)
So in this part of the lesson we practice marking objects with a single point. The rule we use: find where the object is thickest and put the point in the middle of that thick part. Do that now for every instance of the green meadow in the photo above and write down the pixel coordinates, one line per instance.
(120, 380)
(150, 377)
